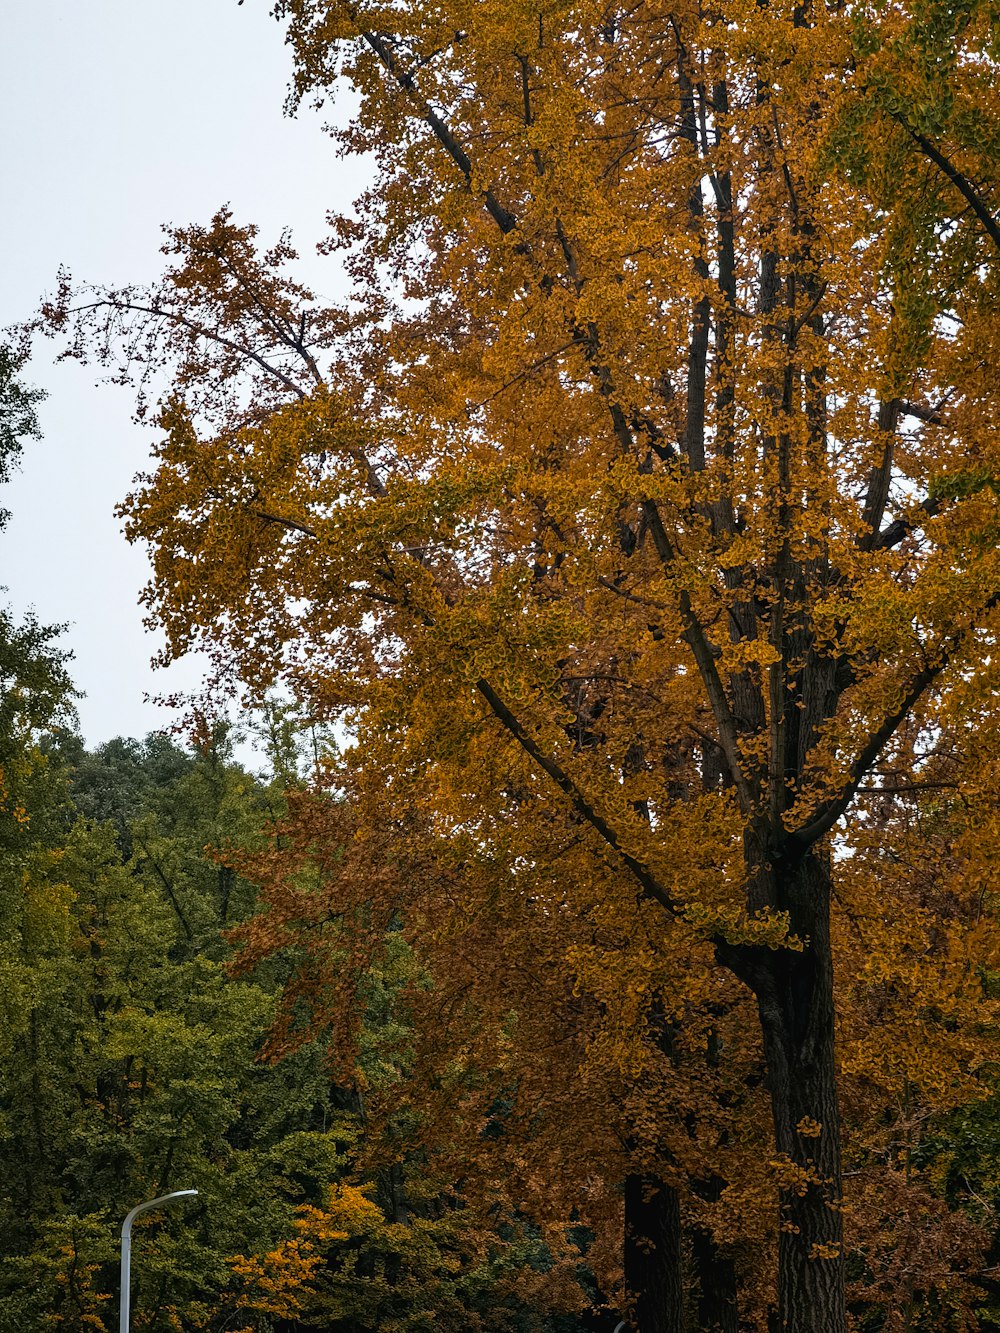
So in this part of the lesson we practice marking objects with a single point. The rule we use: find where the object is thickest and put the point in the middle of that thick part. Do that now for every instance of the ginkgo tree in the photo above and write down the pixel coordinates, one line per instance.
(639, 508)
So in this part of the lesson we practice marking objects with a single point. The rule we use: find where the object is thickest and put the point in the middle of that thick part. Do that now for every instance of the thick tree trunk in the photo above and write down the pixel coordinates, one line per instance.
(795, 1000)
(654, 1267)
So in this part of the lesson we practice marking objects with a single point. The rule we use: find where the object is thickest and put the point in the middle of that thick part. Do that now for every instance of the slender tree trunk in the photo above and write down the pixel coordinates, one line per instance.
(795, 1000)
(718, 1302)
(654, 1267)
(718, 1309)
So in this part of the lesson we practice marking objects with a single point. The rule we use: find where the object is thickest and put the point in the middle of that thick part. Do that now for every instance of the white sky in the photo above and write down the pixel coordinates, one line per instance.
(119, 115)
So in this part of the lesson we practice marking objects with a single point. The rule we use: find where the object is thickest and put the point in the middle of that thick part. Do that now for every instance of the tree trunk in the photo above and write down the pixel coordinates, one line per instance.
(654, 1272)
(795, 1000)
(718, 1305)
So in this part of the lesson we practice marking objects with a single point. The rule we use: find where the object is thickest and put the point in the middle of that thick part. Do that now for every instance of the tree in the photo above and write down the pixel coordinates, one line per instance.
(646, 515)
(18, 417)
(526, 1075)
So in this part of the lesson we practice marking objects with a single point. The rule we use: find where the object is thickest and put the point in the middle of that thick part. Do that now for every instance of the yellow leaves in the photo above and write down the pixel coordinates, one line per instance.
(791, 1178)
(280, 1282)
(923, 1029)
(350, 1208)
(825, 1250)
(768, 928)
(275, 1283)
(750, 653)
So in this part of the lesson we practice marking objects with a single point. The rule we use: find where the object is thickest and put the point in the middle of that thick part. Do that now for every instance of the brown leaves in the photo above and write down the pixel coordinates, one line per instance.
(921, 1259)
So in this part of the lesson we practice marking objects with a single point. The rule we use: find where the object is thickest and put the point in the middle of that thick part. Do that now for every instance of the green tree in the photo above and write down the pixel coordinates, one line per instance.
(130, 1057)
(18, 412)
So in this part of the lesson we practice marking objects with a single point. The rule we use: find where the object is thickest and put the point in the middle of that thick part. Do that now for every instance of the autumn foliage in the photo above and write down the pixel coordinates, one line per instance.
(638, 512)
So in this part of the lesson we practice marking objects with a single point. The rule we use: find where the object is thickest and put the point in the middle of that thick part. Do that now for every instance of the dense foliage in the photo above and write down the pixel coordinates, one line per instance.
(639, 511)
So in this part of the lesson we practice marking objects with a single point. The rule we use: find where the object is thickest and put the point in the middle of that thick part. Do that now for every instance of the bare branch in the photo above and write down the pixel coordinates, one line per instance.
(175, 317)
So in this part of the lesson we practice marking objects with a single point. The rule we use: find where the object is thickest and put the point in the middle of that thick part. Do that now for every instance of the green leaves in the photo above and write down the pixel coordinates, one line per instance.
(18, 418)
(130, 1056)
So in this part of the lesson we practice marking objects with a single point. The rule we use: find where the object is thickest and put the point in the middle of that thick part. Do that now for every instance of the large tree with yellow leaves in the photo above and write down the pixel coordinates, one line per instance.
(639, 508)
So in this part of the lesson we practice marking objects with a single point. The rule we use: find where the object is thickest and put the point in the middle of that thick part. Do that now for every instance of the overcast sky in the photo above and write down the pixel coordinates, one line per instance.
(120, 115)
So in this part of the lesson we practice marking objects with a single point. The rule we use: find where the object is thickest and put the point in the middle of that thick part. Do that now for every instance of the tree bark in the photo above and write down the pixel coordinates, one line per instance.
(794, 993)
(718, 1299)
(654, 1264)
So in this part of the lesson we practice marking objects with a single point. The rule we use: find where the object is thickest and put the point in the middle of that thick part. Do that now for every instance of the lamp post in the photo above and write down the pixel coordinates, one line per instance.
(126, 1279)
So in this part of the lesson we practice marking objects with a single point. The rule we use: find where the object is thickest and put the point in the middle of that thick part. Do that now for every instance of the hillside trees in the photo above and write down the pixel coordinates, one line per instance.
(639, 509)
(130, 1062)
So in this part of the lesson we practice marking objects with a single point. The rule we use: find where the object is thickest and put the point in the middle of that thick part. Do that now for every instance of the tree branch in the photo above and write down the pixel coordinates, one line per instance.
(283, 330)
(694, 635)
(178, 911)
(960, 181)
(902, 527)
(931, 415)
(648, 882)
(175, 317)
(504, 219)
(802, 839)
(288, 523)
(881, 476)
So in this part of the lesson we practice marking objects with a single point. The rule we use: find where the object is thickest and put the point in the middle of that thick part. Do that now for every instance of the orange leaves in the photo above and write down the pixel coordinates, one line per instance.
(349, 1209)
(274, 1283)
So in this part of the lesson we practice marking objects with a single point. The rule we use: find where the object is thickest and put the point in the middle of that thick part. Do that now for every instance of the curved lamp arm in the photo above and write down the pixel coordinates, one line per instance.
(126, 1277)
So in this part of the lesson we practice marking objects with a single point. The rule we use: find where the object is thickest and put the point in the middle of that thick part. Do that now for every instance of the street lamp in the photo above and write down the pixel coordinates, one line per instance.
(126, 1282)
